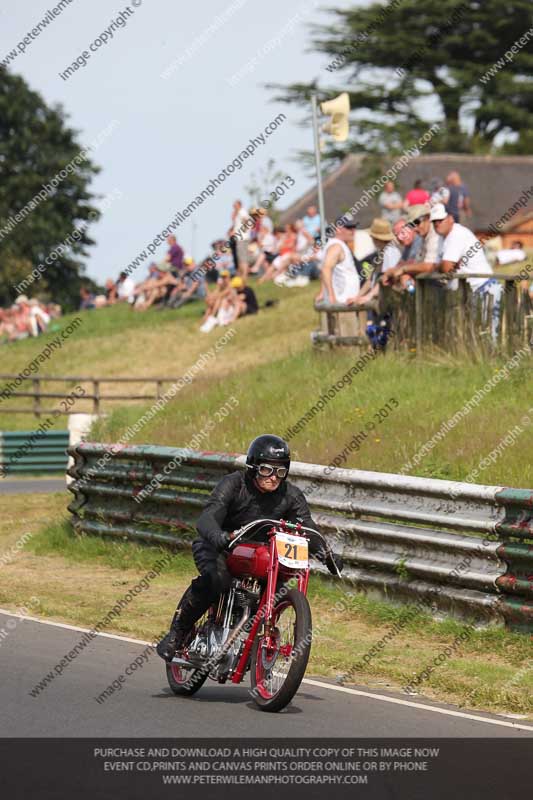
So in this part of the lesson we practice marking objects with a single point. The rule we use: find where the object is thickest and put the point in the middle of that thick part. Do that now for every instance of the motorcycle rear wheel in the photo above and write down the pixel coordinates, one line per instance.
(277, 672)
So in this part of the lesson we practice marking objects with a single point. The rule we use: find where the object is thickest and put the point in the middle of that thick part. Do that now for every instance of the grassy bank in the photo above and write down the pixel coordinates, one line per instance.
(77, 580)
(271, 369)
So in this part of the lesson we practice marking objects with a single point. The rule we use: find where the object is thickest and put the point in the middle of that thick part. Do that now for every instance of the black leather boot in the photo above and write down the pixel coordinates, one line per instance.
(186, 615)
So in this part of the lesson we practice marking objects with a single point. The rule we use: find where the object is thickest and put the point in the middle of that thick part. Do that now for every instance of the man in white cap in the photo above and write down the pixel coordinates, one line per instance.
(462, 252)
(418, 219)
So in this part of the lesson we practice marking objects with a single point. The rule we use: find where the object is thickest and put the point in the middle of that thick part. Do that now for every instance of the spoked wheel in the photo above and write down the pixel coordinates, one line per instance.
(184, 681)
(278, 661)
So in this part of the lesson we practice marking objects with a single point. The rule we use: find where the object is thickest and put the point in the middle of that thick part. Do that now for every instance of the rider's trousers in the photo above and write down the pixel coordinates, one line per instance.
(204, 590)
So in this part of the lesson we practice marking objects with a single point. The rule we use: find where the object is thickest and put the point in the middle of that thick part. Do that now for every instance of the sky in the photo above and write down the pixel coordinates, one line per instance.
(170, 135)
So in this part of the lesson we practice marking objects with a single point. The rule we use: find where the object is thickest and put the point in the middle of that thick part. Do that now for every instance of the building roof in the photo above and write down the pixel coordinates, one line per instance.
(495, 183)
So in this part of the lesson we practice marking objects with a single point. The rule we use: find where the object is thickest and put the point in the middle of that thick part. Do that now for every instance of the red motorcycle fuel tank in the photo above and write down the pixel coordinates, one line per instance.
(249, 559)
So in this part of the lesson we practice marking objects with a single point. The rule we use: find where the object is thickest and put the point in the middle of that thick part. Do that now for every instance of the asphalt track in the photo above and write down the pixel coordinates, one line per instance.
(145, 706)
(33, 486)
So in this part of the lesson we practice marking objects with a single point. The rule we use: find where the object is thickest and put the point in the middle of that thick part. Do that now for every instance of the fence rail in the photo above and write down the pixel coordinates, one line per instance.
(95, 398)
(467, 550)
(435, 317)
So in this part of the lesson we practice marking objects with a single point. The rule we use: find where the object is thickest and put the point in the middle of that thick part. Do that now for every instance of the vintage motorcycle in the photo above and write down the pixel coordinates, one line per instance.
(262, 623)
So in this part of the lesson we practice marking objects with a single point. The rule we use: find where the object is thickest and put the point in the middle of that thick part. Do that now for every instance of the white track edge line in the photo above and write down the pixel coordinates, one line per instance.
(310, 681)
(423, 706)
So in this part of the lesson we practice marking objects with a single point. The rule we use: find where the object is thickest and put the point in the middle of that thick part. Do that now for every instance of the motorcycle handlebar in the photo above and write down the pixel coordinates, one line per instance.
(240, 532)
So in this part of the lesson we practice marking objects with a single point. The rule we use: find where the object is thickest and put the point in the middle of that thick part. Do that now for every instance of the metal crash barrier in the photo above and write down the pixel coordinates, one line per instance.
(33, 451)
(458, 548)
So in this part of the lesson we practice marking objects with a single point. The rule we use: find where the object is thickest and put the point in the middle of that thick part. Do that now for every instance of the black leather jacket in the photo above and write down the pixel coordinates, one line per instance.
(236, 500)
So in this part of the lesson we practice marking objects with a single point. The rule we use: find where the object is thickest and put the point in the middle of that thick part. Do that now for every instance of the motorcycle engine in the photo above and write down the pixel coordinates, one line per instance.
(239, 602)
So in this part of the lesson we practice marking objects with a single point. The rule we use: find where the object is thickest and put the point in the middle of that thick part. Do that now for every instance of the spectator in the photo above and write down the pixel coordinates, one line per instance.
(125, 288)
(431, 251)
(439, 192)
(386, 254)
(86, 299)
(287, 242)
(339, 276)
(458, 203)
(110, 292)
(514, 253)
(409, 240)
(390, 202)
(246, 296)
(265, 220)
(214, 301)
(239, 236)
(190, 287)
(416, 196)
(311, 222)
(269, 249)
(174, 256)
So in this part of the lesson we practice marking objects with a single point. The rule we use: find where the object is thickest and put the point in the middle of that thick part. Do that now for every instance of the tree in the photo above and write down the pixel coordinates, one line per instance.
(393, 57)
(36, 144)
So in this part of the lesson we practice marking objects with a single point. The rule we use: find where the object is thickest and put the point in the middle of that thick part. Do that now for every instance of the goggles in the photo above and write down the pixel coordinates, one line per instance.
(266, 470)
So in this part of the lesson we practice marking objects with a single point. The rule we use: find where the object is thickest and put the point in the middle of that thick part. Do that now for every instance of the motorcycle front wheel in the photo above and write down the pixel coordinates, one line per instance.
(277, 667)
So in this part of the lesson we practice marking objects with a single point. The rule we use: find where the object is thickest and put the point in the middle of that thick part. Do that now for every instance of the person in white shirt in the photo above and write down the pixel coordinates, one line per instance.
(125, 288)
(39, 319)
(462, 252)
(339, 276)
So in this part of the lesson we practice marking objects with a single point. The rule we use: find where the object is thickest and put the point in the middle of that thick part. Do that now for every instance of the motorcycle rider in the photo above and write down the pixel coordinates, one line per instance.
(260, 491)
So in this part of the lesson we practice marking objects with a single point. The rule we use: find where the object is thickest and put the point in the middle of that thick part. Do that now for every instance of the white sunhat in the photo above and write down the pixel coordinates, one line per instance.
(438, 212)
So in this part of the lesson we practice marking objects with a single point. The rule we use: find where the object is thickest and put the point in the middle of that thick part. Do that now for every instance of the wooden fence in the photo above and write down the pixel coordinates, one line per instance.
(435, 317)
(94, 398)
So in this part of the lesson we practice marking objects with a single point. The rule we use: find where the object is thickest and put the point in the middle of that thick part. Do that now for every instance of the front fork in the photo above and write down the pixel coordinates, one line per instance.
(264, 612)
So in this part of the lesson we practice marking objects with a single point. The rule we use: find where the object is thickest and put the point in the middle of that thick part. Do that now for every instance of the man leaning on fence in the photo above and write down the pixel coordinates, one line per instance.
(462, 252)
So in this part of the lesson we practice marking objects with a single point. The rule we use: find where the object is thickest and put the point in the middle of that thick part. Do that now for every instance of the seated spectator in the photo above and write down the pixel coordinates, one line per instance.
(269, 249)
(86, 299)
(125, 288)
(110, 292)
(190, 287)
(247, 300)
(38, 317)
(290, 263)
(514, 253)
(215, 300)
(287, 240)
(21, 328)
(155, 288)
(416, 196)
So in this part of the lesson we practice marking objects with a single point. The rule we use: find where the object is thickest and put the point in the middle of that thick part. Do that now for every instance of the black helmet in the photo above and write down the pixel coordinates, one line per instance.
(269, 449)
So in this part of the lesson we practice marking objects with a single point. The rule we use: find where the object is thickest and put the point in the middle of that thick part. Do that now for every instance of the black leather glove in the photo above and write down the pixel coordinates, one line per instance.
(225, 539)
(330, 561)
(334, 561)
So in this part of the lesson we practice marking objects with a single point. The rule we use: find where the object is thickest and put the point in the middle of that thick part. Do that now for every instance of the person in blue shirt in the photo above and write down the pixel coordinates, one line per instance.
(311, 222)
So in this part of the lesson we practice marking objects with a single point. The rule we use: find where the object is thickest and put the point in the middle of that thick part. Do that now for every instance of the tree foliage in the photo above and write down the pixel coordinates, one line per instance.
(396, 59)
(35, 145)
